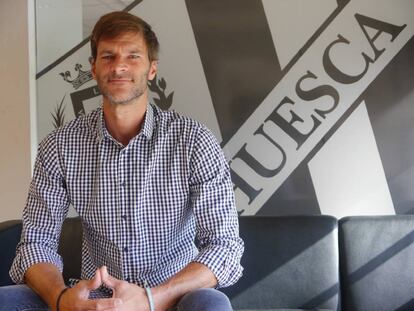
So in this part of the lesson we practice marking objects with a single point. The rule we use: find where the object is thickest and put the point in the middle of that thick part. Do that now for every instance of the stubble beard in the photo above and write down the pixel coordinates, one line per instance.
(124, 99)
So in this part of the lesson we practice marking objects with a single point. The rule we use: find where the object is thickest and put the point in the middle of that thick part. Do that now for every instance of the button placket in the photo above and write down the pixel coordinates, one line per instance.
(123, 200)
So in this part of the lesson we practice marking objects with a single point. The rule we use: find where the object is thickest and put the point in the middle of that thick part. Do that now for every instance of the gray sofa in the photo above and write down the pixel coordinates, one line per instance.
(296, 262)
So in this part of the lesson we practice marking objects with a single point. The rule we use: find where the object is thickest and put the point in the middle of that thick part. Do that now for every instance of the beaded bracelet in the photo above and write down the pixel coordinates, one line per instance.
(149, 295)
(59, 297)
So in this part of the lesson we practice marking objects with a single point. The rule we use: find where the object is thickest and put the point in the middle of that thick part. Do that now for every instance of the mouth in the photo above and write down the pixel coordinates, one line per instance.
(119, 81)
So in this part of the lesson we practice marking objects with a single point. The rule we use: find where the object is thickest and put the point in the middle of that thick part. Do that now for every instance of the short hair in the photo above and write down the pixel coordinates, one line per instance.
(113, 24)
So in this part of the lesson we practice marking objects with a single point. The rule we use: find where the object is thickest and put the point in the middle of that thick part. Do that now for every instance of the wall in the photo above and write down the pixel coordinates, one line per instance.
(14, 108)
(54, 17)
(310, 100)
(343, 146)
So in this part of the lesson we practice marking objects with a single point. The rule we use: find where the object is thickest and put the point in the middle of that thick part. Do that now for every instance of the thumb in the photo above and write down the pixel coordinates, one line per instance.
(95, 282)
(109, 280)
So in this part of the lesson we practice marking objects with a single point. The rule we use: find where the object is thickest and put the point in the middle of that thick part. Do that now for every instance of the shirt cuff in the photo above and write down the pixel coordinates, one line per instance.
(224, 264)
(30, 254)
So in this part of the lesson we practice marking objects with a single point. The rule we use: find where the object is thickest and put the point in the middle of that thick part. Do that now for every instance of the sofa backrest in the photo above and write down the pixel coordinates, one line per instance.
(377, 262)
(69, 247)
(289, 263)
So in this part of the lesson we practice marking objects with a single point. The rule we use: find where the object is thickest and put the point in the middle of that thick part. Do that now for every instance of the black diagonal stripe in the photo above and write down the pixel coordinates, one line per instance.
(389, 101)
(342, 3)
(238, 56)
(241, 68)
(296, 196)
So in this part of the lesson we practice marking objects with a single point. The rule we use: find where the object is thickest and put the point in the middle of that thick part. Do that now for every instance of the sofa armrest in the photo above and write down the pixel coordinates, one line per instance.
(10, 232)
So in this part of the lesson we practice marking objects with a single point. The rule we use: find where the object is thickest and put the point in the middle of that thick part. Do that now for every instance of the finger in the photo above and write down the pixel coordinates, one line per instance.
(104, 304)
(79, 295)
(95, 282)
(88, 285)
(109, 280)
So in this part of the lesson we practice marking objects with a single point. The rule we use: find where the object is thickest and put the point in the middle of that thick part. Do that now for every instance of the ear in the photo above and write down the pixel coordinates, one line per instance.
(93, 67)
(153, 69)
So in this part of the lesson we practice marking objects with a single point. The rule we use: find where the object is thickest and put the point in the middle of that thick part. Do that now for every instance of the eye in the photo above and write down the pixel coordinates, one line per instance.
(107, 56)
(134, 56)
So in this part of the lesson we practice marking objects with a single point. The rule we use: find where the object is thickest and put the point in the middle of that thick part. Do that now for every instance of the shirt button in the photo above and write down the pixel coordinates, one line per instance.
(128, 280)
(124, 217)
(125, 249)
(123, 184)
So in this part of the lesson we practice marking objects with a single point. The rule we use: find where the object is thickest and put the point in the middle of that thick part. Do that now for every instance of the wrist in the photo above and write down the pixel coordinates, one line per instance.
(164, 296)
(59, 298)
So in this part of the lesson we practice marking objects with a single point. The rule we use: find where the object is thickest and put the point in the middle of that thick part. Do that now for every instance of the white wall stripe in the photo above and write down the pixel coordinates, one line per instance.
(347, 172)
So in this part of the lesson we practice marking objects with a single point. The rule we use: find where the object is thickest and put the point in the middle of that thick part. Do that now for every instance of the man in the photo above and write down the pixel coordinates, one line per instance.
(146, 184)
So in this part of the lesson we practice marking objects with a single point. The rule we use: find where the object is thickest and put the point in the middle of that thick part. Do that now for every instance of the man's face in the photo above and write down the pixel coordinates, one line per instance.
(122, 68)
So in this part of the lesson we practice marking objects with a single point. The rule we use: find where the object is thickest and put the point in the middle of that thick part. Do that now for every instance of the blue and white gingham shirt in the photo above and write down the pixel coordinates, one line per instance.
(148, 209)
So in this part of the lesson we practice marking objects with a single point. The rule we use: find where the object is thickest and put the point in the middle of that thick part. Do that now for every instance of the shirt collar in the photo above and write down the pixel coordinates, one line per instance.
(147, 128)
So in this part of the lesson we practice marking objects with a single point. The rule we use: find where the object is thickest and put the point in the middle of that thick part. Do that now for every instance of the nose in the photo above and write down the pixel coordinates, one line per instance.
(119, 65)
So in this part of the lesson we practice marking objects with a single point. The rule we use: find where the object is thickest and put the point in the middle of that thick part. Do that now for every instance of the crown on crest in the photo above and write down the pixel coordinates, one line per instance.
(82, 78)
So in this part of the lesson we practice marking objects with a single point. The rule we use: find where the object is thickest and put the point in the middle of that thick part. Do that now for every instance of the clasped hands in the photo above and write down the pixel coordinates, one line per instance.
(126, 296)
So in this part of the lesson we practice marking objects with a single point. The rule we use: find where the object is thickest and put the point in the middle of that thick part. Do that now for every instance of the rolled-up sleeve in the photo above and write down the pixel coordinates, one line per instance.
(46, 207)
(212, 196)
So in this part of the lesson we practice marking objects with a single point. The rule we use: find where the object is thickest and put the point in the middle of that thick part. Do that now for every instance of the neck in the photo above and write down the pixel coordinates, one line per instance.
(124, 121)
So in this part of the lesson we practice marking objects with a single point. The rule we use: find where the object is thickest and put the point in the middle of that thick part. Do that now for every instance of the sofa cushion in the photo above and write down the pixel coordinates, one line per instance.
(377, 262)
(289, 263)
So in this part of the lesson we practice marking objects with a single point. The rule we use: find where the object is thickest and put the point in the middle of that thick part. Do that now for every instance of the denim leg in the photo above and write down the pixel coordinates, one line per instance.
(20, 298)
(206, 299)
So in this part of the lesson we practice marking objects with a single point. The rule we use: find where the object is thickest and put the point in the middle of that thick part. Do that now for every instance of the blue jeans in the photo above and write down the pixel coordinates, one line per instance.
(22, 298)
